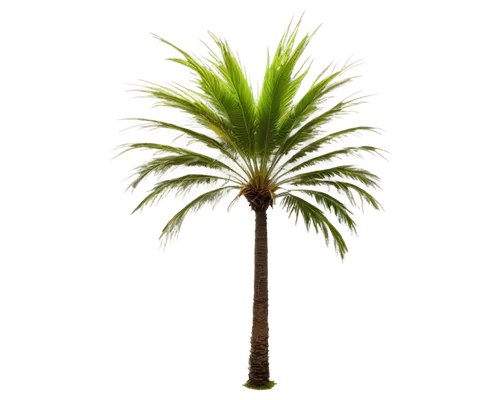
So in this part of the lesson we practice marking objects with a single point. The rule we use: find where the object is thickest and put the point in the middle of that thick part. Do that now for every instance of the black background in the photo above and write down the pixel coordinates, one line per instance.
(177, 321)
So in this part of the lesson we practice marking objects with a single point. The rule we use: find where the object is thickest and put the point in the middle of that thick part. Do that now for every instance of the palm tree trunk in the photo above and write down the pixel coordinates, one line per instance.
(259, 350)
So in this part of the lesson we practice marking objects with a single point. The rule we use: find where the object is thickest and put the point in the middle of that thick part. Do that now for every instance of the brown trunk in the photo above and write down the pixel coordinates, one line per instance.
(259, 350)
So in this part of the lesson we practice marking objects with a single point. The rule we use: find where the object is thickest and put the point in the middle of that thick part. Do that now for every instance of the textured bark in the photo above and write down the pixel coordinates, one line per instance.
(259, 350)
(258, 199)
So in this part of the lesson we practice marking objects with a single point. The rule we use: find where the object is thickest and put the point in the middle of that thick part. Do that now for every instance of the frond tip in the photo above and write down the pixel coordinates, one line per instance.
(173, 227)
(314, 215)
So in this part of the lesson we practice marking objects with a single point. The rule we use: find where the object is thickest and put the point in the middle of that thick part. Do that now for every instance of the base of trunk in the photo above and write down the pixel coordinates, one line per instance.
(272, 385)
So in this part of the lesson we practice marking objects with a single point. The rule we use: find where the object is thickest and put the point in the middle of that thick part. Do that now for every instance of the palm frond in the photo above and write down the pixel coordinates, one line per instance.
(335, 157)
(211, 55)
(255, 131)
(345, 187)
(234, 200)
(331, 204)
(329, 79)
(313, 143)
(152, 124)
(188, 101)
(235, 162)
(223, 147)
(348, 171)
(244, 112)
(156, 168)
(185, 57)
(165, 157)
(308, 105)
(310, 129)
(312, 214)
(221, 99)
(312, 100)
(172, 228)
(182, 184)
(278, 90)
(198, 109)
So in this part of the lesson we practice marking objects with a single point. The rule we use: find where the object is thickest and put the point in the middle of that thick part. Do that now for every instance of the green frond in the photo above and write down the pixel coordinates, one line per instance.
(144, 146)
(235, 199)
(143, 86)
(309, 130)
(211, 56)
(311, 101)
(312, 214)
(329, 79)
(180, 62)
(314, 143)
(346, 187)
(197, 109)
(163, 148)
(335, 157)
(337, 136)
(332, 205)
(200, 105)
(348, 171)
(172, 228)
(158, 167)
(278, 90)
(307, 106)
(164, 158)
(244, 115)
(256, 130)
(168, 86)
(235, 161)
(182, 184)
(185, 57)
(198, 137)
(224, 100)
(227, 124)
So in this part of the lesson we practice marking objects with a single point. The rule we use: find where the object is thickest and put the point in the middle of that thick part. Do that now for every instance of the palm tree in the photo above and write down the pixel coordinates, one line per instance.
(254, 133)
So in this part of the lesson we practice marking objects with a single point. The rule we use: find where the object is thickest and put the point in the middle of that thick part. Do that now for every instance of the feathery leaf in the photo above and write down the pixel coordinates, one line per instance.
(183, 185)
(173, 227)
(348, 171)
(312, 214)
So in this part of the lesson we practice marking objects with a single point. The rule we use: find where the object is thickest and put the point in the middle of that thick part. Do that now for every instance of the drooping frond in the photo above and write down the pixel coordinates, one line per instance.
(182, 184)
(156, 168)
(235, 199)
(314, 143)
(348, 171)
(197, 137)
(167, 157)
(323, 159)
(193, 136)
(172, 228)
(199, 110)
(332, 206)
(312, 214)
(309, 130)
(345, 187)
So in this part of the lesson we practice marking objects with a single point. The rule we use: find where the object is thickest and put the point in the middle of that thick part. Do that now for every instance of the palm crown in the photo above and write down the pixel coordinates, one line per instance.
(256, 133)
